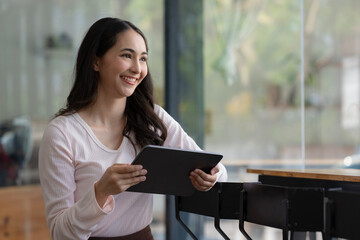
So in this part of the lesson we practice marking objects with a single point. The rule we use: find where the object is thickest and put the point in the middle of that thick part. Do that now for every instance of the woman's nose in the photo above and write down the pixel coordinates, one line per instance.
(135, 67)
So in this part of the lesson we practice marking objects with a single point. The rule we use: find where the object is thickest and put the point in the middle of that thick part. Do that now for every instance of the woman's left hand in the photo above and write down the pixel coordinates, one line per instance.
(203, 181)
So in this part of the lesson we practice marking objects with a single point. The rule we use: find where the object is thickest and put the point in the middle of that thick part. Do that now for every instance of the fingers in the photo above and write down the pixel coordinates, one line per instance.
(130, 180)
(202, 181)
(119, 177)
(127, 171)
(215, 170)
(128, 175)
(125, 168)
(125, 184)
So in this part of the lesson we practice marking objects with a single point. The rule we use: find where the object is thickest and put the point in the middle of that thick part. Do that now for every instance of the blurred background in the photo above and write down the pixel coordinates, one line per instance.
(252, 61)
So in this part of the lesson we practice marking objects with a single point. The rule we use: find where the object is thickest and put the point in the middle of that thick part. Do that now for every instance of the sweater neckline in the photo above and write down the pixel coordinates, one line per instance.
(95, 139)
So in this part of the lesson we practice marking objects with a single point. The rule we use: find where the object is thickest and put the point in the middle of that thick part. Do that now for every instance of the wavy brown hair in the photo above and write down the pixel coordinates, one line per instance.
(147, 127)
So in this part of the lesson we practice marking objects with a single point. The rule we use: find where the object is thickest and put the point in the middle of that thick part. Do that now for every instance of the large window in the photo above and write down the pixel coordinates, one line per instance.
(257, 58)
(253, 80)
(332, 78)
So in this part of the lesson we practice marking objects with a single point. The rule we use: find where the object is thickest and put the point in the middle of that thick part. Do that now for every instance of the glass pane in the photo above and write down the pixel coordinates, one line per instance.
(252, 91)
(332, 81)
(39, 41)
(252, 87)
(252, 82)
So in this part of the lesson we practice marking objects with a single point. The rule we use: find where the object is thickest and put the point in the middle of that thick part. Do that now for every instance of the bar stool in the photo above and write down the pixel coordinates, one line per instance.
(292, 209)
(220, 202)
(342, 214)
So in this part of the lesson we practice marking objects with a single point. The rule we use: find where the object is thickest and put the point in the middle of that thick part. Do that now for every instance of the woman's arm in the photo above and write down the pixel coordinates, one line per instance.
(65, 218)
(178, 138)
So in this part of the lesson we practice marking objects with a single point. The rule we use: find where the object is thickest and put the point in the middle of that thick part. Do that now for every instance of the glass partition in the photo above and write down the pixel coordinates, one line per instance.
(252, 84)
(332, 78)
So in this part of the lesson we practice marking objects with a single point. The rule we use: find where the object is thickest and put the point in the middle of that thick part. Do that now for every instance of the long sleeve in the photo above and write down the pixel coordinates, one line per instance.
(178, 138)
(66, 218)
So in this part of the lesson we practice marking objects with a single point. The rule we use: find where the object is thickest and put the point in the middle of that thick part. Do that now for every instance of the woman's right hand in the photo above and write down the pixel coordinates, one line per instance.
(116, 179)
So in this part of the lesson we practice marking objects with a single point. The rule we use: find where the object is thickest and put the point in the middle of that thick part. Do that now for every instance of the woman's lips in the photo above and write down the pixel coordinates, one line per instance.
(129, 80)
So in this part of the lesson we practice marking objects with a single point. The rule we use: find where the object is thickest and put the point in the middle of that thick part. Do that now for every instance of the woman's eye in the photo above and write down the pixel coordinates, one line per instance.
(144, 59)
(126, 55)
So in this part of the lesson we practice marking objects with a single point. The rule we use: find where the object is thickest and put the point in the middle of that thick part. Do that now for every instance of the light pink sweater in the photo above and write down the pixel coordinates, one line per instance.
(72, 159)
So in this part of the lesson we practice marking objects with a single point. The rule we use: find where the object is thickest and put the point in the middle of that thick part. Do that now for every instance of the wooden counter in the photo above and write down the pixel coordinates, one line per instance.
(347, 175)
(22, 213)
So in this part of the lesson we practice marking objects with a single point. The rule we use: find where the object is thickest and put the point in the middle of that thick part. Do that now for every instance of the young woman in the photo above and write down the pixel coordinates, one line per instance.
(86, 151)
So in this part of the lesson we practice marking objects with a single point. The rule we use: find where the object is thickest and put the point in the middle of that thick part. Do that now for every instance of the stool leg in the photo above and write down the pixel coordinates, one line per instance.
(292, 235)
(285, 234)
(178, 218)
(312, 235)
(217, 226)
(328, 204)
(242, 230)
(242, 214)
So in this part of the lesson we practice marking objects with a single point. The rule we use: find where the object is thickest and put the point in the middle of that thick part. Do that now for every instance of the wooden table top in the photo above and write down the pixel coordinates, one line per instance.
(22, 213)
(348, 175)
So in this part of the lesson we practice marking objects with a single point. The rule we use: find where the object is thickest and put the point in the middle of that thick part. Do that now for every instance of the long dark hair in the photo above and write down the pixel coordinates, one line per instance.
(147, 127)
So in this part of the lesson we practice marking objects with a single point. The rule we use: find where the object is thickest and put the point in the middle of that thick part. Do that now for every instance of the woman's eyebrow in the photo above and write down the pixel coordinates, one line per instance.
(133, 51)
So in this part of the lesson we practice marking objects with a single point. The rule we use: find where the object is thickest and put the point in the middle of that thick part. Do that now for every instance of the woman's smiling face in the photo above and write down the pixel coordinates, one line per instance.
(123, 66)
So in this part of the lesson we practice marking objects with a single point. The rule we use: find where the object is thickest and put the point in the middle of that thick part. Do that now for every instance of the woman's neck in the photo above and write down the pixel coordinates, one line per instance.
(105, 113)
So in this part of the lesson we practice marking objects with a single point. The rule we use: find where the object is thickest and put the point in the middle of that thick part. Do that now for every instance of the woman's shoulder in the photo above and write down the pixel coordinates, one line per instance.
(63, 121)
(167, 119)
(162, 114)
(61, 124)
(158, 108)
(160, 111)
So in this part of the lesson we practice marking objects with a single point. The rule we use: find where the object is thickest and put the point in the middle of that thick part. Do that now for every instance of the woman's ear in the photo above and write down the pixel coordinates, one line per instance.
(96, 64)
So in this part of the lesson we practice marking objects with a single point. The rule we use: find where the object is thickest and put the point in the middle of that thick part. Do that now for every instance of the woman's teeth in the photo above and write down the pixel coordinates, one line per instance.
(132, 80)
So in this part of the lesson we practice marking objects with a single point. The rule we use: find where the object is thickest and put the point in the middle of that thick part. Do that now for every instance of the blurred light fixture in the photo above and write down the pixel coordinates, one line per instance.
(348, 161)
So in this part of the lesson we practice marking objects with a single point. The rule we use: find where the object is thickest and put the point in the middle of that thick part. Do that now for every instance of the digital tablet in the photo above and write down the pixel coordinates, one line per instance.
(168, 169)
